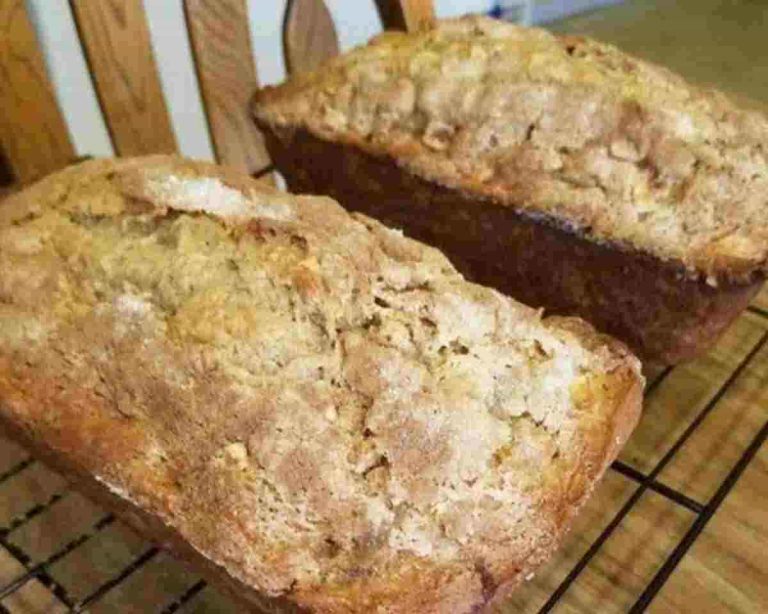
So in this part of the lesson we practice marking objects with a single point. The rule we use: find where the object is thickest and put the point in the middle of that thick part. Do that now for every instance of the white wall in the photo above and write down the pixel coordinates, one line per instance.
(69, 73)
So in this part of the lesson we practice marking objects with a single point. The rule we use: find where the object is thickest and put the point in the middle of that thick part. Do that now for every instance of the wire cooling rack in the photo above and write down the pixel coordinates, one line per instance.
(139, 577)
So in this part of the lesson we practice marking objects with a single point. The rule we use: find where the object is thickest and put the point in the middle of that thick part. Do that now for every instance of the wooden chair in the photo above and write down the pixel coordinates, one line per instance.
(114, 34)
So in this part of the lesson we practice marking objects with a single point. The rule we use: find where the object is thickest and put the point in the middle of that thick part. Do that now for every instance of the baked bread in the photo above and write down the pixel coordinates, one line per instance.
(318, 413)
(558, 169)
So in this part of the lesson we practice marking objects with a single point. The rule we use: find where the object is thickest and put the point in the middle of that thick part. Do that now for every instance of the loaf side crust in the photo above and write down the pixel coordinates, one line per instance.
(664, 315)
(315, 411)
(612, 147)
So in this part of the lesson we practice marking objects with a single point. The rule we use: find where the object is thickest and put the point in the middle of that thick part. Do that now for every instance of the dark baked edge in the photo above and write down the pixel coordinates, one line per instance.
(655, 306)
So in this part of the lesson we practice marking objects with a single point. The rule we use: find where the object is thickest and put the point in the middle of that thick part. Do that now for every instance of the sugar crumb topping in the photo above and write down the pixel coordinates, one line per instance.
(562, 127)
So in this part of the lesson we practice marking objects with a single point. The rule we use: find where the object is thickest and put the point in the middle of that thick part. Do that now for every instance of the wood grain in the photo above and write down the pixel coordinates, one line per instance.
(761, 300)
(210, 600)
(117, 44)
(157, 583)
(10, 454)
(609, 495)
(35, 485)
(99, 559)
(623, 566)
(727, 568)
(71, 516)
(703, 462)
(670, 408)
(33, 598)
(409, 15)
(227, 75)
(627, 562)
(309, 36)
(33, 135)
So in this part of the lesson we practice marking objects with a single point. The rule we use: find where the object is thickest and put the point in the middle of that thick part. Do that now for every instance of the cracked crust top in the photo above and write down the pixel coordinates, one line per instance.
(602, 143)
(321, 407)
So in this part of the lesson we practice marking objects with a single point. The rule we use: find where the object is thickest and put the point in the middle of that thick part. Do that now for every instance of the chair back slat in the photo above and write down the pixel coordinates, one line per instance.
(115, 37)
(33, 134)
(409, 15)
(226, 71)
(309, 36)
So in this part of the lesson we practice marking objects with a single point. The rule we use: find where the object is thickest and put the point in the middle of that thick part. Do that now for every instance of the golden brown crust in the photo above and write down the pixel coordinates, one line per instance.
(145, 521)
(314, 410)
(609, 146)
(626, 401)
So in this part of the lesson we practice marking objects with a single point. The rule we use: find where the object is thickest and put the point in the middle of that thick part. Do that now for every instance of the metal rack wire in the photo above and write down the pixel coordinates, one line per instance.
(703, 511)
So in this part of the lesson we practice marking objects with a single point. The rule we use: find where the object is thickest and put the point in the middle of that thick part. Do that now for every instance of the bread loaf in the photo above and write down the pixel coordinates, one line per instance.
(558, 169)
(316, 412)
